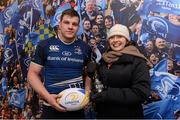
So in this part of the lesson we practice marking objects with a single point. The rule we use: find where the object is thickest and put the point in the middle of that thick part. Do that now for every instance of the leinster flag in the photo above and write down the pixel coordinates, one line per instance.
(17, 98)
(26, 17)
(159, 27)
(38, 5)
(161, 66)
(164, 109)
(58, 13)
(3, 86)
(163, 6)
(8, 13)
(166, 84)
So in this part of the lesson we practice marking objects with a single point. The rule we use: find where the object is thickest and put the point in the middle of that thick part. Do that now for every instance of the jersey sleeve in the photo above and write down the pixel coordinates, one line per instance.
(38, 56)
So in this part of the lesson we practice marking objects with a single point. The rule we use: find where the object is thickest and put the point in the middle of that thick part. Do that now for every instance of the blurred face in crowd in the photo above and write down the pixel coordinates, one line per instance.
(15, 80)
(169, 65)
(87, 25)
(99, 19)
(117, 42)
(149, 46)
(160, 43)
(108, 23)
(92, 43)
(95, 29)
(68, 28)
(98, 39)
(174, 19)
(153, 59)
(90, 6)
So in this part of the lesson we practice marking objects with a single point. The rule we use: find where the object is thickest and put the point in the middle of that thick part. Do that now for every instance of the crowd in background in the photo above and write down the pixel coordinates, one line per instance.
(96, 22)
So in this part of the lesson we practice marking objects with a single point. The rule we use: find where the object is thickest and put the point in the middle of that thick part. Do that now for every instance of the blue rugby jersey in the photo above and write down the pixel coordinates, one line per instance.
(63, 64)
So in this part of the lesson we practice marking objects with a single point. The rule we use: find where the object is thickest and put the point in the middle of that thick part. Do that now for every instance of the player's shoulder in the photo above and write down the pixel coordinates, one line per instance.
(47, 42)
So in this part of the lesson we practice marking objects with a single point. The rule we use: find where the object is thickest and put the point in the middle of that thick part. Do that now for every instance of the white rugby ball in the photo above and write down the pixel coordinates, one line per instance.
(73, 99)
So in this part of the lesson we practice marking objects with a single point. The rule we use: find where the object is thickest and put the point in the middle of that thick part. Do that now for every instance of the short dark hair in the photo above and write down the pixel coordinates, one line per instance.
(108, 17)
(71, 12)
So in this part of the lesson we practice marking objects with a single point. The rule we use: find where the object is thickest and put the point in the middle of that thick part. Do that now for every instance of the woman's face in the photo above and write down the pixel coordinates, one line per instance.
(108, 23)
(153, 59)
(117, 42)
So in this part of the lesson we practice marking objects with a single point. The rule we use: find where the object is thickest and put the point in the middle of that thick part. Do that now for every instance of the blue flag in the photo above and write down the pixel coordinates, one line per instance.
(26, 17)
(166, 84)
(159, 27)
(163, 6)
(58, 13)
(177, 54)
(161, 66)
(1, 23)
(3, 86)
(17, 98)
(24, 62)
(164, 109)
(81, 30)
(34, 37)
(102, 4)
(10, 54)
(8, 14)
(37, 4)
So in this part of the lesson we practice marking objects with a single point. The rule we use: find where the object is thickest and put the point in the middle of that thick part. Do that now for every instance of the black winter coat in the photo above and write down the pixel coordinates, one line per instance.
(127, 85)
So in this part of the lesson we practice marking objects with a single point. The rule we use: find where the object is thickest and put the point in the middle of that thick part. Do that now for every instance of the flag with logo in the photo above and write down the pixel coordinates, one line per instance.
(167, 85)
(58, 13)
(164, 6)
(161, 66)
(163, 109)
(10, 54)
(24, 62)
(3, 86)
(38, 4)
(17, 98)
(8, 13)
(159, 27)
(26, 17)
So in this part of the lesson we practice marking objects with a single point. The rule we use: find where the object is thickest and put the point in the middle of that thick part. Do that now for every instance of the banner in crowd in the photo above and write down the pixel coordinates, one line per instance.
(163, 6)
(17, 98)
(8, 14)
(163, 109)
(58, 13)
(165, 84)
(3, 86)
(158, 27)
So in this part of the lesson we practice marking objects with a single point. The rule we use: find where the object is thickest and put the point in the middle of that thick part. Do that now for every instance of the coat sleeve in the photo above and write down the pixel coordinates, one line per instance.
(136, 93)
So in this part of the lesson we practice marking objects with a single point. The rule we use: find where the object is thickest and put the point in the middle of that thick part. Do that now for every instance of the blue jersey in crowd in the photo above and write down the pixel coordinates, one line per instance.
(63, 63)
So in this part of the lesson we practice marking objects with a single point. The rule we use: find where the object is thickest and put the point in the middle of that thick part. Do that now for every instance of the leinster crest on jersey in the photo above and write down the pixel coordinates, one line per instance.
(77, 50)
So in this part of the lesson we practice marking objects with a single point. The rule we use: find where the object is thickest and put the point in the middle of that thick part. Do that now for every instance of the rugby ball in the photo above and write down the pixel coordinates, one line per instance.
(73, 99)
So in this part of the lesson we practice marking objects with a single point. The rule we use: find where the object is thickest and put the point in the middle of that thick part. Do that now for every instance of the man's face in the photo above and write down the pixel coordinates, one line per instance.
(68, 28)
(87, 25)
(160, 43)
(90, 6)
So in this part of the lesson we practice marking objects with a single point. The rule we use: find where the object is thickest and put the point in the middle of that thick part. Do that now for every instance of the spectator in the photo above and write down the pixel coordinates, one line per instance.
(125, 77)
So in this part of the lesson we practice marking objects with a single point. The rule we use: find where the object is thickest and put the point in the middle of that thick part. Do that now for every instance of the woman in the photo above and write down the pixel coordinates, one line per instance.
(124, 74)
